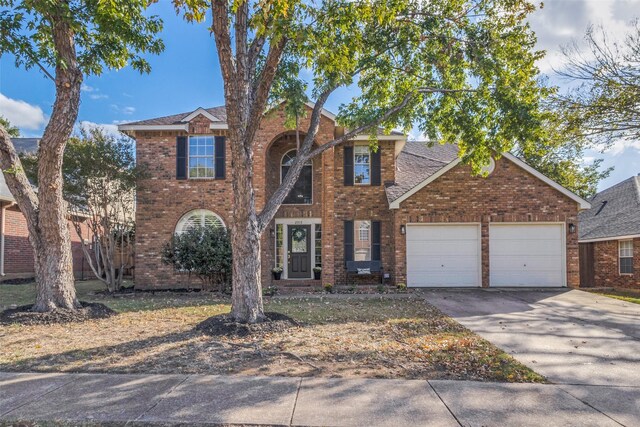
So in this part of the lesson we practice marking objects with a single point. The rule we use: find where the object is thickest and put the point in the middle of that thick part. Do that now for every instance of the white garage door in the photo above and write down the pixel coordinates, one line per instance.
(526, 255)
(442, 255)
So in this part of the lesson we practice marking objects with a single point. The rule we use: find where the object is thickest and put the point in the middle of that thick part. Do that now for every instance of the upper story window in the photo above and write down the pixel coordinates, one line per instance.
(625, 253)
(301, 193)
(201, 157)
(361, 165)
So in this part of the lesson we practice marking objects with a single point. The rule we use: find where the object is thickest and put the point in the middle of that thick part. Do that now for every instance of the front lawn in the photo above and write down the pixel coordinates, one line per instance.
(629, 295)
(339, 336)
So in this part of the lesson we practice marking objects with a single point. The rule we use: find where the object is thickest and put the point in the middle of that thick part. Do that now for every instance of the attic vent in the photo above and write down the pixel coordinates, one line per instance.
(601, 207)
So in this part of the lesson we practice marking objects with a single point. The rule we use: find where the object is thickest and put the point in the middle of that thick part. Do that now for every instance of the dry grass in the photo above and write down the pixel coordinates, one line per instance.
(629, 295)
(343, 336)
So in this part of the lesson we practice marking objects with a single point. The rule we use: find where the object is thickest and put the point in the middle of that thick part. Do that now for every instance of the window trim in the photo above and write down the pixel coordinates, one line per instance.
(213, 156)
(357, 226)
(308, 163)
(620, 257)
(179, 227)
(355, 149)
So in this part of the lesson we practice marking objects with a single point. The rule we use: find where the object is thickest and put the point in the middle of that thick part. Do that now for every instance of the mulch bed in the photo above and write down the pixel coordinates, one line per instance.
(224, 325)
(24, 316)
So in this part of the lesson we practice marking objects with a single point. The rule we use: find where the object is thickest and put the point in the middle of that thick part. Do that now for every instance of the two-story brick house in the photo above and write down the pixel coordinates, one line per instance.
(414, 208)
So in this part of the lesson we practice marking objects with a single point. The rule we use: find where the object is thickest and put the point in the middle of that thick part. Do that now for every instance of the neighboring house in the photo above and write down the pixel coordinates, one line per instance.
(16, 253)
(416, 209)
(610, 237)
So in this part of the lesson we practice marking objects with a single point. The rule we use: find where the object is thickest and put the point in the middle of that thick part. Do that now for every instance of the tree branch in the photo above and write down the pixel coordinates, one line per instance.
(262, 85)
(220, 26)
(305, 153)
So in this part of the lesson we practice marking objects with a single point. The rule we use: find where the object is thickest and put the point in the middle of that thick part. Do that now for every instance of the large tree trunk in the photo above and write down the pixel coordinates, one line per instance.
(46, 212)
(247, 304)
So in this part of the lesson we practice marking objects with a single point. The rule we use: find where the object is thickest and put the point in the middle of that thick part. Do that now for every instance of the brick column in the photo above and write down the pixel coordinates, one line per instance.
(328, 217)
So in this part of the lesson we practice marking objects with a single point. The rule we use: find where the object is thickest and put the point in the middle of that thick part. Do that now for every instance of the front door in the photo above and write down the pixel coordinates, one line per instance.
(299, 243)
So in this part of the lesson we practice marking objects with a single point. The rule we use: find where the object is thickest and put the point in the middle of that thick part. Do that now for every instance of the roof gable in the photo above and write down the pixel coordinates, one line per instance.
(428, 170)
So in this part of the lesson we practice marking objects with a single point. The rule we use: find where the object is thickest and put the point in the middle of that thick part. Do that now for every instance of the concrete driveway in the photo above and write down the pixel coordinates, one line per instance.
(571, 337)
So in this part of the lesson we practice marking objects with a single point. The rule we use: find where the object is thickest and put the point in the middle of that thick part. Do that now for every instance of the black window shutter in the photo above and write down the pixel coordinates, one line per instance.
(181, 157)
(348, 241)
(375, 167)
(220, 157)
(348, 165)
(375, 241)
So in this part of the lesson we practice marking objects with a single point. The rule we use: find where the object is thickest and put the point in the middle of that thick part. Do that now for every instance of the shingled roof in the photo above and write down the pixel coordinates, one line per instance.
(219, 112)
(417, 161)
(615, 212)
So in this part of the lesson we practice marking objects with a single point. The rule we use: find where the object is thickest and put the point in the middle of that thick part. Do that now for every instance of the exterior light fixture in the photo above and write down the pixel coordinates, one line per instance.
(272, 232)
(403, 230)
(572, 228)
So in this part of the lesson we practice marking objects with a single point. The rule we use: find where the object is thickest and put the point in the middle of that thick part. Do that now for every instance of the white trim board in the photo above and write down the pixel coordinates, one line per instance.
(583, 204)
(125, 127)
(197, 112)
(610, 238)
(285, 242)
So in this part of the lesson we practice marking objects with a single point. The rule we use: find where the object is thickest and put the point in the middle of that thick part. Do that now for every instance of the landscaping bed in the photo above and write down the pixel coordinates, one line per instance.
(398, 336)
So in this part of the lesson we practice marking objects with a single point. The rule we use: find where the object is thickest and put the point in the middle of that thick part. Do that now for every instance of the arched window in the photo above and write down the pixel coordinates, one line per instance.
(198, 218)
(301, 193)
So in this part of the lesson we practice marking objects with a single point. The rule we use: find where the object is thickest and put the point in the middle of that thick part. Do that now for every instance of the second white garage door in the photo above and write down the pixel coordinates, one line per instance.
(443, 255)
(526, 255)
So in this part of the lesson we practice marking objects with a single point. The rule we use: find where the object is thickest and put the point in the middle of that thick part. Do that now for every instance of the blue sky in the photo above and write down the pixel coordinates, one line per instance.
(187, 76)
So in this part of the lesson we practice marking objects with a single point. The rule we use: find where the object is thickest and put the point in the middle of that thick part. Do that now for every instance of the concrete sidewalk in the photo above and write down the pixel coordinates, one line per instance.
(239, 400)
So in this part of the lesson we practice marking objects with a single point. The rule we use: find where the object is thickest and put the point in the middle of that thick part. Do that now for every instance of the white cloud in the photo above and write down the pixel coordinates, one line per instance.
(98, 96)
(621, 146)
(86, 88)
(123, 110)
(560, 23)
(21, 113)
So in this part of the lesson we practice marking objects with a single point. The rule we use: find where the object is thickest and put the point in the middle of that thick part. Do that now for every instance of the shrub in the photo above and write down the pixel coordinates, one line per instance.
(381, 288)
(402, 287)
(328, 287)
(270, 291)
(204, 252)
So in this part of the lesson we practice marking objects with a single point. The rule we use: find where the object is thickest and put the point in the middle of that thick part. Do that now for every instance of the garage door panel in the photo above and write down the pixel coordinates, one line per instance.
(440, 232)
(443, 255)
(526, 255)
(438, 247)
(534, 247)
(461, 263)
(447, 280)
(526, 231)
(524, 263)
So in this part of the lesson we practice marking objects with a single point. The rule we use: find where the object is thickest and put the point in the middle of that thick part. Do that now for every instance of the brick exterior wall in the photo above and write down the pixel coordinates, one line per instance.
(509, 194)
(607, 268)
(364, 202)
(18, 261)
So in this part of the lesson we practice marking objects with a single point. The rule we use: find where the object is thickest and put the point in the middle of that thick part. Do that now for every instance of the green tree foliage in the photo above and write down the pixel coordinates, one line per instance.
(106, 34)
(560, 155)
(13, 131)
(67, 40)
(463, 71)
(602, 105)
(100, 176)
(204, 251)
